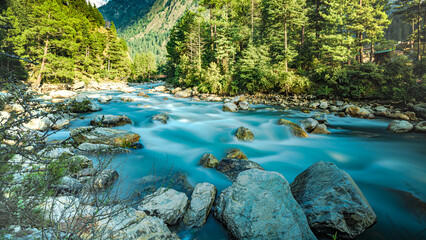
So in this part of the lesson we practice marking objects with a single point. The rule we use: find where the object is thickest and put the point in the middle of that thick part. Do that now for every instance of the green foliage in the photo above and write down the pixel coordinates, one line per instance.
(144, 66)
(66, 39)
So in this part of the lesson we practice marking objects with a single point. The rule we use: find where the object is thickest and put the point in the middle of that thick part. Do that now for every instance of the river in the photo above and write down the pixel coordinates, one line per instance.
(390, 169)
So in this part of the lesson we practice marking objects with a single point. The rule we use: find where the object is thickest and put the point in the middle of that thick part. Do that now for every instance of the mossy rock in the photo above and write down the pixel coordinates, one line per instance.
(295, 129)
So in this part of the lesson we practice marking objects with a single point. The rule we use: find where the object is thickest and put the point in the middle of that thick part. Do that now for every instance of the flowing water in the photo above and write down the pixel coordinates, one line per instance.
(389, 168)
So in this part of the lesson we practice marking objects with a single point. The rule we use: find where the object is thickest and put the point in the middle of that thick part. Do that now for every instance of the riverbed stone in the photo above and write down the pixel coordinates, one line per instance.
(99, 148)
(128, 89)
(244, 134)
(243, 105)
(39, 124)
(235, 153)
(160, 88)
(420, 127)
(231, 167)
(321, 129)
(208, 161)
(109, 120)
(355, 111)
(160, 117)
(62, 94)
(166, 204)
(61, 123)
(104, 99)
(230, 107)
(109, 136)
(323, 105)
(399, 126)
(184, 94)
(321, 117)
(295, 129)
(67, 186)
(332, 201)
(259, 205)
(143, 94)
(398, 115)
(201, 203)
(309, 124)
(420, 109)
(78, 85)
(82, 104)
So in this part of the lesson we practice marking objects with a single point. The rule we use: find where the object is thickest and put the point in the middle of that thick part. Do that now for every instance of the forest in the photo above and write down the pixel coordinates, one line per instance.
(67, 39)
(297, 46)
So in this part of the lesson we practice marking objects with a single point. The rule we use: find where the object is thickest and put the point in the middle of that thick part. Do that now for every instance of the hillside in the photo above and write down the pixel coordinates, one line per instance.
(145, 24)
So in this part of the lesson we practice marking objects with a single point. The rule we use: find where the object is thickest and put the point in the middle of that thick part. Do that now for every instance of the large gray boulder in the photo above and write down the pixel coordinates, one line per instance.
(109, 136)
(332, 201)
(231, 167)
(166, 204)
(309, 124)
(230, 107)
(259, 205)
(201, 203)
(400, 126)
(109, 120)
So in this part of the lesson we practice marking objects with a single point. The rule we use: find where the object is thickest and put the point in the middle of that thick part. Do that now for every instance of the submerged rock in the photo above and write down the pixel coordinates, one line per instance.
(294, 128)
(110, 120)
(231, 167)
(161, 117)
(109, 136)
(399, 126)
(321, 129)
(143, 94)
(201, 203)
(259, 205)
(208, 161)
(166, 204)
(230, 107)
(244, 134)
(309, 124)
(332, 201)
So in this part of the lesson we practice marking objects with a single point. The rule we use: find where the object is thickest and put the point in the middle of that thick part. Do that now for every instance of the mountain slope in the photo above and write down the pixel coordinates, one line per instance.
(145, 24)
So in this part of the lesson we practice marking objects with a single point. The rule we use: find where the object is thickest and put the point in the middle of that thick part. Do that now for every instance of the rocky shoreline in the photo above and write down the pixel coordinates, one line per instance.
(323, 200)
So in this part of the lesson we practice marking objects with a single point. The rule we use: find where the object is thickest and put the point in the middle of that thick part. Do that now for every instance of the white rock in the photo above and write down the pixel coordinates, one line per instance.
(201, 203)
(62, 94)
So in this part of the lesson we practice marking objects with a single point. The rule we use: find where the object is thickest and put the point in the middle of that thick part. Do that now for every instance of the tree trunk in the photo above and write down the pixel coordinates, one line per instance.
(419, 56)
(211, 27)
(43, 62)
(317, 28)
(285, 46)
(302, 38)
(361, 57)
(413, 30)
(371, 51)
(252, 20)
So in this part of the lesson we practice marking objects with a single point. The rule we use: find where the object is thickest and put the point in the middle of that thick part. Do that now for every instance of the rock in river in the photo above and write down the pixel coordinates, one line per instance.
(109, 120)
(420, 127)
(420, 109)
(236, 153)
(309, 124)
(230, 107)
(399, 126)
(166, 204)
(62, 94)
(294, 128)
(321, 129)
(109, 136)
(201, 202)
(208, 161)
(332, 201)
(259, 205)
(161, 117)
(231, 167)
(244, 134)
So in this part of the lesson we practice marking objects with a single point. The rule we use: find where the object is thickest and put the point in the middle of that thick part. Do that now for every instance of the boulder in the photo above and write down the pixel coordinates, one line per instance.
(39, 124)
(295, 129)
(201, 203)
(398, 115)
(60, 124)
(259, 205)
(309, 124)
(230, 107)
(105, 179)
(104, 99)
(143, 94)
(4, 116)
(98, 148)
(321, 117)
(160, 88)
(78, 85)
(399, 126)
(67, 185)
(82, 104)
(175, 90)
(59, 209)
(244, 134)
(184, 94)
(323, 105)
(420, 109)
(160, 117)
(231, 167)
(236, 153)
(110, 120)
(109, 136)
(355, 111)
(56, 153)
(420, 127)
(238, 99)
(128, 89)
(62, 94)
(321, 129)
(243, 105)
(208, 161)
(332, 201)
(166, 204)
(127, 99)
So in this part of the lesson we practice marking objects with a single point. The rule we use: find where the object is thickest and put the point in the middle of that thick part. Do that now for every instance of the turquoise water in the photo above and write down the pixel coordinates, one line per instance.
(390, 169)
